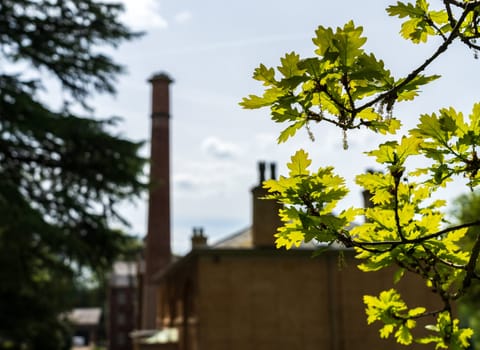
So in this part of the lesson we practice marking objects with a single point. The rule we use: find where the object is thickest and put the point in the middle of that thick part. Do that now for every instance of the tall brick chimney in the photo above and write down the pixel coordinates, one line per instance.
(158, 251)
(265, 212)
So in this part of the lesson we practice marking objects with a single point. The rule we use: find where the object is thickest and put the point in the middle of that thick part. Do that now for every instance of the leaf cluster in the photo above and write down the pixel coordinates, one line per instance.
(404, 227)
(308, 198)
(342, 85)
(394, 313)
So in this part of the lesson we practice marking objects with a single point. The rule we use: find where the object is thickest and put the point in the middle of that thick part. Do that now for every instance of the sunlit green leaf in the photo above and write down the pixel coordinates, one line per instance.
(289, 67)
(299, 163)
(290, 131)
(265, 75)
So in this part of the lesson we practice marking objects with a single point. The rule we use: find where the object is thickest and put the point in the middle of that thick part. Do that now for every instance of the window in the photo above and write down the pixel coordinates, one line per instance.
(121, 319)
(121, 338)
(121, 298)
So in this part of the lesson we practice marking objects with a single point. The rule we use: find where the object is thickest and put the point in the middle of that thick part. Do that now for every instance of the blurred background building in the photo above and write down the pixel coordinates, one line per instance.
(121, 310)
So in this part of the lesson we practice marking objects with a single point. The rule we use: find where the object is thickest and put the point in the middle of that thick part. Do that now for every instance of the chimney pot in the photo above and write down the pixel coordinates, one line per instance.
(273, 171)
(261, 171)
(160, 76)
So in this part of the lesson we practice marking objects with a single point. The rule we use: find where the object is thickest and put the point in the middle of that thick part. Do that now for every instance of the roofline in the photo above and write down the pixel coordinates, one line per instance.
(227, 238)
(240, 252)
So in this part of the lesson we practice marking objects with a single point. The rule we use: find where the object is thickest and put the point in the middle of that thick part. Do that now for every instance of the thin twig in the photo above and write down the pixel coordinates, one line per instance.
(441, 49)
(419, 239)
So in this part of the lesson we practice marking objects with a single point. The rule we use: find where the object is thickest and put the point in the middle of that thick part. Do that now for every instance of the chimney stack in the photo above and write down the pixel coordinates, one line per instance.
(265, 212)
(199, 240)
(158, 252)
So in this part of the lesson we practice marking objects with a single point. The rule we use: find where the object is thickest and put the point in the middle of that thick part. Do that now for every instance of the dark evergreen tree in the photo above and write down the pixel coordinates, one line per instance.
(61, 173)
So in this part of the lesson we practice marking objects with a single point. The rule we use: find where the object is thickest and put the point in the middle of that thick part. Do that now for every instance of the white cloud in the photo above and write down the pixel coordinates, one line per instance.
(186, 182)
(219, 149)
(143, 14)
(183, 17)
(198, 179)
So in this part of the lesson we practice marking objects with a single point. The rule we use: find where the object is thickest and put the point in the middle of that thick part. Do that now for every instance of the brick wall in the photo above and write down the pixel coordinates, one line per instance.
(290, 302)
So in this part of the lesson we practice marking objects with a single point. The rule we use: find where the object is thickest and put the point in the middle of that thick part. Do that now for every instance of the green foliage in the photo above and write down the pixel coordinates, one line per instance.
(420, 23)
(349, 88)
(447, 334)
(466, 209)
(340, 86)
(451, 142)
(390, 309)
(309, 199)
(61, 173)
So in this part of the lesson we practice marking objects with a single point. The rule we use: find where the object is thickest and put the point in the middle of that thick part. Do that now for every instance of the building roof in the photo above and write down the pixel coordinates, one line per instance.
(240, 243)
(244, 240)
(88, 316)
(240, 239)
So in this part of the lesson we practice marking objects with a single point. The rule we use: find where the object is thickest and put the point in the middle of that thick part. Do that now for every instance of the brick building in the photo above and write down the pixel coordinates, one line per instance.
(121, 305)
(242, 293)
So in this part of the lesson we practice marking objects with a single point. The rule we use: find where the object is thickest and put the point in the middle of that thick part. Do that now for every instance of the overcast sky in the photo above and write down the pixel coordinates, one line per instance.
(210, 48)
